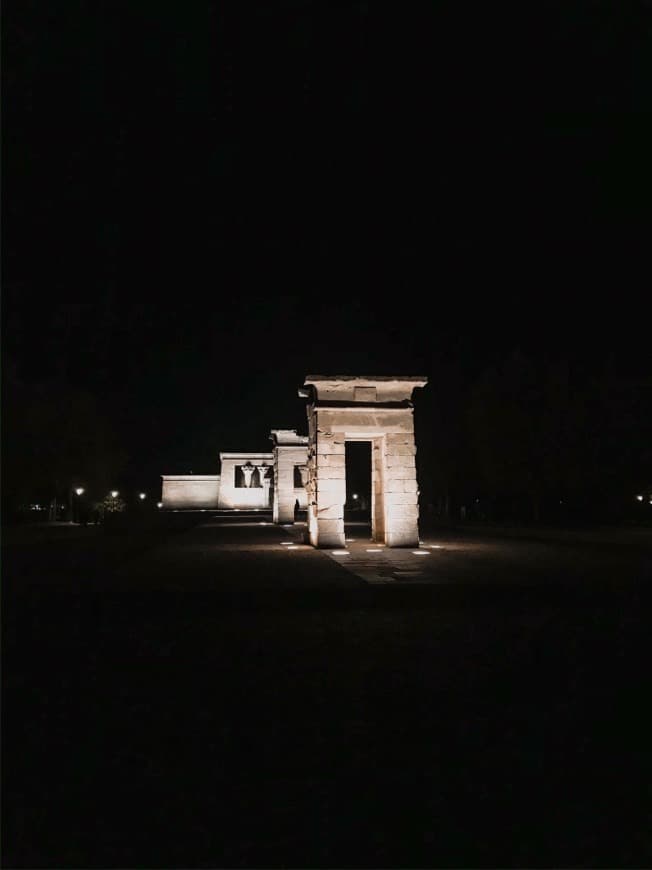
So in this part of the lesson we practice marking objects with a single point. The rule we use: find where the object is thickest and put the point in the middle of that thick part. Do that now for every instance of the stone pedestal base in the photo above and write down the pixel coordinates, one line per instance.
(327, 534)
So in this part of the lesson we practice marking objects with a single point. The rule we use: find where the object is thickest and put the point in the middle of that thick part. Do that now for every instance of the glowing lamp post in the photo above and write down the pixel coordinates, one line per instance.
(74, 503)
(141, 496)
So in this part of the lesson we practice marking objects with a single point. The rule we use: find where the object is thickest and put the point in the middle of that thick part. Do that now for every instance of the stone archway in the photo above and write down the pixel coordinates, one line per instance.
(358, 408)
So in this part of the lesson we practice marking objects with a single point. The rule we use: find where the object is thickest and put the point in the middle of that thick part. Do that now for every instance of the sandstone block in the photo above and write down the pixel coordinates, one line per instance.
(401, 460)
(400, 472)
(329, 473)
(331, 511)
(330, 487)
(400, 498)
(331, 462)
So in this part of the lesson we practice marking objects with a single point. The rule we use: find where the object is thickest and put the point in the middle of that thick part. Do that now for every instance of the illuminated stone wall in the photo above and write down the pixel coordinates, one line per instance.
(378, 410)
(255, 496)
(187, 491)
(290, 452)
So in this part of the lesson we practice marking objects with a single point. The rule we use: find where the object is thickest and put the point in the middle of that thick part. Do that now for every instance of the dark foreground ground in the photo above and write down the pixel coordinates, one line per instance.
(208, 698)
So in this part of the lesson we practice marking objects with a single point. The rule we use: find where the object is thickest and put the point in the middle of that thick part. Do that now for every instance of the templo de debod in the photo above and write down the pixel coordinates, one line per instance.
(311, 469)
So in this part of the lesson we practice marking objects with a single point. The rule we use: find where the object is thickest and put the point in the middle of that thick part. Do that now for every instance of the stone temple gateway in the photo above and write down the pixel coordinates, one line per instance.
(311, 470)
(375, 409)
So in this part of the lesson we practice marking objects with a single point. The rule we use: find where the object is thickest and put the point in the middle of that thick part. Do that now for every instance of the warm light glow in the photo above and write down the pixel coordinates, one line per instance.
(375, 550)
(435, 546)
(340, 552)
(340, 408)
(351, 540)
(159, 504)
(141, 495)
(285, 543)
(639, 497)
(420, 553)
(80, 490)
(114, 493)
(293, 547)
(263, 524)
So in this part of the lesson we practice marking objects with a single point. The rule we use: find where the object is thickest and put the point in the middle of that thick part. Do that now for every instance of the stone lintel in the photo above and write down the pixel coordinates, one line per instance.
(361, 389)
(400, 405)
(253, 456)
(366, 380)
(287, 438)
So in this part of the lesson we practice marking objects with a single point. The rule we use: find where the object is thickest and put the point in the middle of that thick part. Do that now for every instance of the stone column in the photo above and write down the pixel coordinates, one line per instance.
(248, 471)
(283, 510)
(262, 472)
(290, 449)
(327, 480)
(378, 490)
(265, 481)
(401, 491)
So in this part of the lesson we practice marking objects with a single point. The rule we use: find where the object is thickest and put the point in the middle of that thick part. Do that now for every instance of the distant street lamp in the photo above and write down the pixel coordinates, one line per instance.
(159, 504)
(141, 495)
(74, 503)
(355, 495)
(114, 493)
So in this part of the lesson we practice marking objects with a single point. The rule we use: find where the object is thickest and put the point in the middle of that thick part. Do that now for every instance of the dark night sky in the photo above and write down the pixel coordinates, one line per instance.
(204, 202)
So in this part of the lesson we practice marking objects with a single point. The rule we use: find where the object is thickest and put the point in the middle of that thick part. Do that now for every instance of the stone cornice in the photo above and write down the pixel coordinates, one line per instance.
(190, 477)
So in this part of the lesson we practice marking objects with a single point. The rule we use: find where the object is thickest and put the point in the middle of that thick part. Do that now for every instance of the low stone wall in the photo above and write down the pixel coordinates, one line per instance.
(241, 498)
(190, 491)
(233, 496)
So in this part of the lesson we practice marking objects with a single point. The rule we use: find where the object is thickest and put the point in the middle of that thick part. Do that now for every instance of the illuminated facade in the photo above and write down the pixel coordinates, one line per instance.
(190, 491)
(378, 410)
(290, 473)
(247, 481)
(310, 471)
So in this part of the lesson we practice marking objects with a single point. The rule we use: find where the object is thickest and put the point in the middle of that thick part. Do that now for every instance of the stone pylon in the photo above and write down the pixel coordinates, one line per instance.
(290, 451)
(345, 408)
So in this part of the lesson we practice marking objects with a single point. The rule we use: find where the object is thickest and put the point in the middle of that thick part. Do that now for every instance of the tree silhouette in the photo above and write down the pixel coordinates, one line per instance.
(545, 434)
(55, 436)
